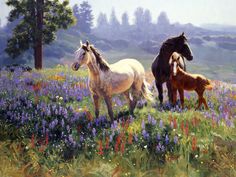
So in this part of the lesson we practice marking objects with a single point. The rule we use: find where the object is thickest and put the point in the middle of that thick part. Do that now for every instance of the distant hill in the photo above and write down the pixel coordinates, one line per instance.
(218, 27)
(214, 50)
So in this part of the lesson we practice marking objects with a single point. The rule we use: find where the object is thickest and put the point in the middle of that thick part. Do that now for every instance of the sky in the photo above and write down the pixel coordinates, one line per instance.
(196, 12)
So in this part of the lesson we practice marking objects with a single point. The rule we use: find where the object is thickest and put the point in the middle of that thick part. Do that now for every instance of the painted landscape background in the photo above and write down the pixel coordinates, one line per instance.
(47, 122)
(138, 35)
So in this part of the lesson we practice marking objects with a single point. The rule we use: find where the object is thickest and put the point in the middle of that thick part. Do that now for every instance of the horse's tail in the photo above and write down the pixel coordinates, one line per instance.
(208, 85)
(146, 91)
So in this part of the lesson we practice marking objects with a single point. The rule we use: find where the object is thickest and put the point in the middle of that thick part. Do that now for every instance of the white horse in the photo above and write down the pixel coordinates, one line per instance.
(127, 76)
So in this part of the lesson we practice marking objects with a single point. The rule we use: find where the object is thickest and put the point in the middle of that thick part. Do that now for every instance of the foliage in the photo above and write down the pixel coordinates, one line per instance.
(56, 15)
(84, 16)
(47, 128)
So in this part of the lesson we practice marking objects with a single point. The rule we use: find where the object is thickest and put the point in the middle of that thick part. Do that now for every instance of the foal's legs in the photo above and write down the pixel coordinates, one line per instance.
(96, 101)
(205, 103)
(200, 96)
(160, 91)
(109, 107)
(181, 95)
(169, 88)
(199, 103)
(201, 99)
(174, 92)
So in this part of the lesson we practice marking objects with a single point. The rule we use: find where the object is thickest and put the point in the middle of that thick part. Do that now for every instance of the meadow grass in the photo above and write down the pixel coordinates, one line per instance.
(214, 153)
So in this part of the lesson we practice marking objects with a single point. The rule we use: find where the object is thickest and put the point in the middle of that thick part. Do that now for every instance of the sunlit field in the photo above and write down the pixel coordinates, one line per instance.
(47, 128)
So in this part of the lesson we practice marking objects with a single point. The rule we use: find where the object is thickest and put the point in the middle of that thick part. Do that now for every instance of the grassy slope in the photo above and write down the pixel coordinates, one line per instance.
(220, 140)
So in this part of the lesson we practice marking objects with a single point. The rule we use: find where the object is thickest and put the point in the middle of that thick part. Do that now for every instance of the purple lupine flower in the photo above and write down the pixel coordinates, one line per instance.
(114, 125)
(111, 138)
(161, 123)
(145, 134)
(97, 122)
(176, 139)
(43, 125)
(62, 123)
(167, 139)
(154, 121)
(89, 125)
(143, 124)
(158, 147)
(135, 137)
(131, 119)
(163, 148)
(68, 128)
(158, 137)
(81, 138)
(149, 119)
(229, 123)
(94, 132)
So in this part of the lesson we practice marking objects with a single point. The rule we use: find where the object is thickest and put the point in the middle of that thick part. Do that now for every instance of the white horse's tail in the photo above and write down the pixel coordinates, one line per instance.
(146, 91)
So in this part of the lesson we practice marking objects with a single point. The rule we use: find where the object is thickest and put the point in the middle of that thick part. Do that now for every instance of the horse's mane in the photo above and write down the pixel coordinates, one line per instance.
(104, 66)
(169, 42)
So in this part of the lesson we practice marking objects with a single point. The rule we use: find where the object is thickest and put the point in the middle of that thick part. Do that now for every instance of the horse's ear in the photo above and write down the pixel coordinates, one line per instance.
(170, 61)
(182, 34)
(80, 42)
(87, 43)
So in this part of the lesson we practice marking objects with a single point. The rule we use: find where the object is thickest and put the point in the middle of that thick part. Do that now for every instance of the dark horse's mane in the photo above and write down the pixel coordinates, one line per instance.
(169, 42)
(100, 61)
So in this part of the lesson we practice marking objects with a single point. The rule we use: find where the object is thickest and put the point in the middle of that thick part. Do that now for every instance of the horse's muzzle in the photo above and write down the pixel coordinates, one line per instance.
(75, 66)
(190, 57)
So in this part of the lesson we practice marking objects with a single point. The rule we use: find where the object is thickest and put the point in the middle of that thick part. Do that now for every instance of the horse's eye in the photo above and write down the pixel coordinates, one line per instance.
(83, 54)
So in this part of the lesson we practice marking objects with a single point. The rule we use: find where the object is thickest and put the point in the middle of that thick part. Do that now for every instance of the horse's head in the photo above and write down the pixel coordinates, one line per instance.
(176, 61)
(183, 47)
(81, 56)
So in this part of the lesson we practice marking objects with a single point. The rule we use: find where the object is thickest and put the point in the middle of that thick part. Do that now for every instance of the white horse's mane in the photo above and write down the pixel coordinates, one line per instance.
(102, 63)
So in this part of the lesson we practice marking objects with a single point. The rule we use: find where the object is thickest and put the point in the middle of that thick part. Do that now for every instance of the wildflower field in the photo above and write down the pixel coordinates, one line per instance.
(47, 128)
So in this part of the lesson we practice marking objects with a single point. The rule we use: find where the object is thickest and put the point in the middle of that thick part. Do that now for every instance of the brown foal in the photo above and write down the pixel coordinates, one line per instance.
(182, 80)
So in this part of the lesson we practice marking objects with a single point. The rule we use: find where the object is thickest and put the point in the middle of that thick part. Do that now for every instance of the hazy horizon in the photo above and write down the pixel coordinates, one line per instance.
(184, 11)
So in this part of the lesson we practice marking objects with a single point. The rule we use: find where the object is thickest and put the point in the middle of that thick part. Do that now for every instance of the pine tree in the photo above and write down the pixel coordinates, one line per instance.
(40, 19)
(114, 22)
(139, 20)
(102, 20)
(85, 17)
(76, 13)
(147, 18)
(125, 20)
(163, 20)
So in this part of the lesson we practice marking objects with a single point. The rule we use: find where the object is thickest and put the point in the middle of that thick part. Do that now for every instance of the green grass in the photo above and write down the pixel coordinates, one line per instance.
(215, 156)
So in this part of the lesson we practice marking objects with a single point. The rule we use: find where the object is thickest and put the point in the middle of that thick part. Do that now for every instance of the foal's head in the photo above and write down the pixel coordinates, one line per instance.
(82, 56)
(176, 61)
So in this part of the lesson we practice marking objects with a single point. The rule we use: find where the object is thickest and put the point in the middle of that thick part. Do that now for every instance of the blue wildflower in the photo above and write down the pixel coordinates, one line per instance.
(94, 132)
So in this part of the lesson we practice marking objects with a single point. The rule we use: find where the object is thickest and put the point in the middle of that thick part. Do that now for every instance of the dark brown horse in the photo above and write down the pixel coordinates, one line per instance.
(161, 67)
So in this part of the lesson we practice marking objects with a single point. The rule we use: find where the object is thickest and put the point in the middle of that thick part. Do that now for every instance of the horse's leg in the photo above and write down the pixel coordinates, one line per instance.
(160, 91)
(136, 95)
(169, 88)
(199, 103)
(205, 103)
(174, 96)
(181, 95)
(109, 107)
(200, 96)
(126, 93)
(96, 101)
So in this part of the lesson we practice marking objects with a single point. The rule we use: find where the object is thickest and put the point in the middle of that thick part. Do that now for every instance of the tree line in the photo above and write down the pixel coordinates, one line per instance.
(34, 23)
